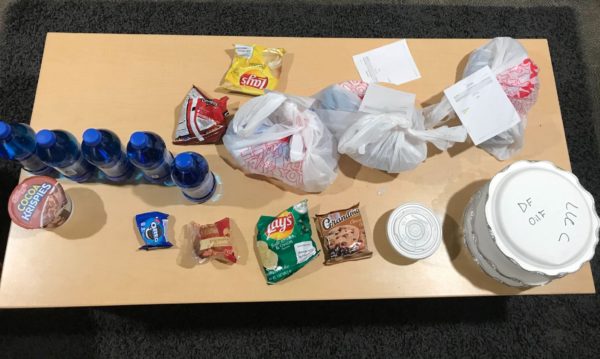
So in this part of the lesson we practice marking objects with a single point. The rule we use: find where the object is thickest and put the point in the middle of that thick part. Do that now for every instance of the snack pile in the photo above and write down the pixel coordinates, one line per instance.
(296, 140)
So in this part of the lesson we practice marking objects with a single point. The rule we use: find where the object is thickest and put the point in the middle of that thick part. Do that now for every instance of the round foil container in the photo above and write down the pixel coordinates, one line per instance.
(39, 202)
(414, 231)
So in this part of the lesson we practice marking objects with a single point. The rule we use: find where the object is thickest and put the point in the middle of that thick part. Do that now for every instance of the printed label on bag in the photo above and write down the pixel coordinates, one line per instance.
(304, 251)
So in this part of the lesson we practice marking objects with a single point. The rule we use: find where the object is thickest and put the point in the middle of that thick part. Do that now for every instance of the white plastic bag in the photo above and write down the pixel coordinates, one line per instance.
(337, 107)
(518, 76)
(277, 135)
(392, 142)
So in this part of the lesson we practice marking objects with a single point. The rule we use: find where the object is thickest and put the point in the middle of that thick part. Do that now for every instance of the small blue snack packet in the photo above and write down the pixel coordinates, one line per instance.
(153, 229)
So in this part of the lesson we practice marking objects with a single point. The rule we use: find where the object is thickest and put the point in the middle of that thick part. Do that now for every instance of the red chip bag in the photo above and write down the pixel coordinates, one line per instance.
(213, 241)
(201, 119)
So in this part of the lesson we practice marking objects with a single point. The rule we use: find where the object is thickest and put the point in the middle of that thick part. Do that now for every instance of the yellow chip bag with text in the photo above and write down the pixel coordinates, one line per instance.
(254, 68)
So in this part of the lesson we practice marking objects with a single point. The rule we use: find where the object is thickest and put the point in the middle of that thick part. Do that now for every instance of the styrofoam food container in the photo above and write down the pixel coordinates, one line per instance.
(535, 222)
(471, 240)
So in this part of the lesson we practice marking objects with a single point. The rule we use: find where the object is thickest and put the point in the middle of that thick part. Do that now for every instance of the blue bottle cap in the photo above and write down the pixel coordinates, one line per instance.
(45, 138)
(184, 161)
(92, 137)
(5, 130)
(139, 140)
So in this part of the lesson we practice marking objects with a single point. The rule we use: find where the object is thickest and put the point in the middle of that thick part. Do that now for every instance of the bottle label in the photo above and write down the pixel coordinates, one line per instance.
(163, 170)
(78, 168)
(118, 169)
(203, 189)
(33, 164)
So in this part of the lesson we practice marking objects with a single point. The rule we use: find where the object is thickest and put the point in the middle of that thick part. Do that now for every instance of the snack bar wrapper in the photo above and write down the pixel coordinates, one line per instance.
(201, 119)
(211, 241)
(254, 69)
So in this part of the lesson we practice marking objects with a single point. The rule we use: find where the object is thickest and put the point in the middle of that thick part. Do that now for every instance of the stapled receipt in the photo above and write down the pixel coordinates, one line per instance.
(381, 99)
(392, 63)
(482, 106)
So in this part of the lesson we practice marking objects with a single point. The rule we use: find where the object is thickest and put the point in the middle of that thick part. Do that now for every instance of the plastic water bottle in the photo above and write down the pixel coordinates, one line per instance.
(192, 175)
(60, 150)
(147, 151)
(102, 148)
(17, 142)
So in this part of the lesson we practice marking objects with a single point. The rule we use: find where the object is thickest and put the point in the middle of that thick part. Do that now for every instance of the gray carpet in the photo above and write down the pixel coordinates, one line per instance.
(557, 326)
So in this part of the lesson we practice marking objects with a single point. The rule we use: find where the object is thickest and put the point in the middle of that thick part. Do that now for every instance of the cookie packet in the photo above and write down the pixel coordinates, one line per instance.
(342, 235)
(201, 119)
(153, 230)
(210, 241)
(254, 69)
(284, 242)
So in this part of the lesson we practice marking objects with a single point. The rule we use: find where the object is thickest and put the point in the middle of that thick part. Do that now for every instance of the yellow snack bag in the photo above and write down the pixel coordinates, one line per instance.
(254, 68)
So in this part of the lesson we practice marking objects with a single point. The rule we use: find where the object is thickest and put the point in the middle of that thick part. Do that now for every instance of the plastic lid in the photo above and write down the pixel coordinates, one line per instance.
(45, 138)
(184, 161)
(139, 140)
(5, 130)
(414, 231)
(92, 137)
(541, 218)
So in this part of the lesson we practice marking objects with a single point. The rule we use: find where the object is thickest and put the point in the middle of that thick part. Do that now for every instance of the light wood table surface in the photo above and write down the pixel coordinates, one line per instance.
(137, 82)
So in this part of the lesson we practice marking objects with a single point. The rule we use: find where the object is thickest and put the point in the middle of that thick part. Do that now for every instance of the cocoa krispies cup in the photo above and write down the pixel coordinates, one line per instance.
(39, 202)
(342, 235)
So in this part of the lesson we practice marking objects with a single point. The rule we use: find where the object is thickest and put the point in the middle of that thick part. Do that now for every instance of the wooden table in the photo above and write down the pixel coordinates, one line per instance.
(137, 82)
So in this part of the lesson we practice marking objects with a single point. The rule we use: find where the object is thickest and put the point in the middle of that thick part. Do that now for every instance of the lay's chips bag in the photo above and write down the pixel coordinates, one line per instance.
(254, 68)
(284, 243)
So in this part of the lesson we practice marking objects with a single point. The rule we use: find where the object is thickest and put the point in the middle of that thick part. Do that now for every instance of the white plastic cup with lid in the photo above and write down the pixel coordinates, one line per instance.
(414, 231)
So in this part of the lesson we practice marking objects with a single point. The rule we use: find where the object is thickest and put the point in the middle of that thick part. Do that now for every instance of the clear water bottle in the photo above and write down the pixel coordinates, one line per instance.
(147, 151)
(192, 175)
(102, 148)
(17, 142)
(60, 149)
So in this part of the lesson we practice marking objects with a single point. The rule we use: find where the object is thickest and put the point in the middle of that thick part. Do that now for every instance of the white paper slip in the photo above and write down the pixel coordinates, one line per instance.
(391, 63)
(481, 105)
(381, 99)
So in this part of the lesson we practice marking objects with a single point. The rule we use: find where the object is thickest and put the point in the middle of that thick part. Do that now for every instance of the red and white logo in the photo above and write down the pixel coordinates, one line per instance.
(281, 227)
(252, 80)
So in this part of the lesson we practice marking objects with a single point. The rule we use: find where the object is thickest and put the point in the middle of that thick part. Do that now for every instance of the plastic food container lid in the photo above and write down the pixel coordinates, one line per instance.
(39, 202)
(414, 231)
(542, 218)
